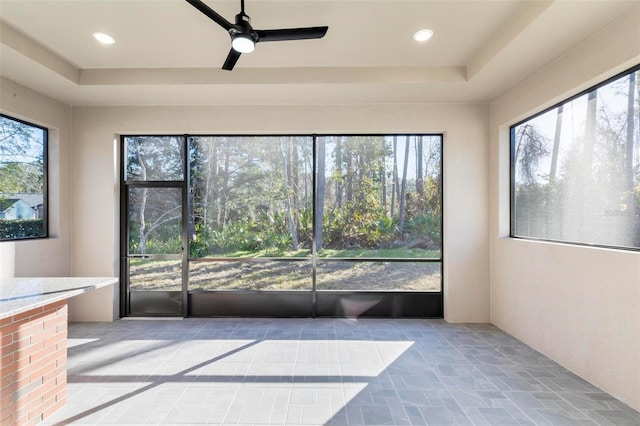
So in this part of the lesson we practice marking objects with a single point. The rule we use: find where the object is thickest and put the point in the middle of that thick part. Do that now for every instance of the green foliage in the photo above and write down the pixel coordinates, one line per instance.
(362, 222)
(200, 244)
(21, 157)
(426, 226)
(268, 232)
(236, 236)
(424, 214)
(18, 229)
(165, 239)
(168, 246)
(252, 196)
(21, 178)
(305, 227)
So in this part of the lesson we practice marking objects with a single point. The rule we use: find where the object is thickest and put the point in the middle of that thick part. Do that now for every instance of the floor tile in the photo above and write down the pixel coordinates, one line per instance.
(320, 372)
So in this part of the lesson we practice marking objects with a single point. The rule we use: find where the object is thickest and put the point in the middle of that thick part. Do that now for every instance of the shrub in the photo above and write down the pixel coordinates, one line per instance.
(17, 229)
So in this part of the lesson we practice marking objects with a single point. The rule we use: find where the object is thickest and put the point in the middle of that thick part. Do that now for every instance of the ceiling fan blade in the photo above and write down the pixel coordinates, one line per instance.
(217, 18)
(291, 34)
(231, 60)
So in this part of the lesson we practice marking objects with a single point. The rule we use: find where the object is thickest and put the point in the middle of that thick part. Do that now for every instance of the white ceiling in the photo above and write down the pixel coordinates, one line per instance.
(168, 53)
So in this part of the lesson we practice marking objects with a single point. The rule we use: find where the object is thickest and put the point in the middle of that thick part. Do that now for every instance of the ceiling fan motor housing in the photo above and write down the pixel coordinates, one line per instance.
(243, 26)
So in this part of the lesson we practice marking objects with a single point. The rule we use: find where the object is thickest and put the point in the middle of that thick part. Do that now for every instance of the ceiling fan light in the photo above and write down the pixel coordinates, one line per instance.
(104, 38)
(243, 44)
(423, 35)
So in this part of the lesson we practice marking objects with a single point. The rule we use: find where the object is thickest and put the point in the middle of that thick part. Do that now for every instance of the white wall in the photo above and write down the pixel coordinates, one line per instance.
(578, 305)
(51, 256)
(466, 250)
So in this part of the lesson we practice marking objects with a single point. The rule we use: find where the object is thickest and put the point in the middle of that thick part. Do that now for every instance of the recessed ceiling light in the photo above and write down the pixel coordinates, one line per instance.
(104, 38)
(423, 35)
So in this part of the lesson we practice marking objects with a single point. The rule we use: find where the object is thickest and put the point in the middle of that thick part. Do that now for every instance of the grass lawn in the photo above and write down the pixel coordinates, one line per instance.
(287, 275)
(273, 274)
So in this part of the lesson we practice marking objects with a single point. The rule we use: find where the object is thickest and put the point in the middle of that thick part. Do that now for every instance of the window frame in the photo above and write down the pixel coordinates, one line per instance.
(512, 166)
(45, 181)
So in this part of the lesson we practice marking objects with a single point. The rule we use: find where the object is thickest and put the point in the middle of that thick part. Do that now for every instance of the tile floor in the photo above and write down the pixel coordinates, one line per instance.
(320, 372)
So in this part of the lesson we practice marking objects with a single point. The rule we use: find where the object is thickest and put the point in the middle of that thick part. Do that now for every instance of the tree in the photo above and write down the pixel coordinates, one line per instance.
(142, 222)
(338, 172)
(320, 192)
(395, 185)
(21, 178)
(419, 172)
(556, 146)
(224, 194)
(531, 146)
(403, 187)
(383, 174)
(634, 205)
(21, 157)
(287, 158)
(586, 165)
(152, 209)
(630, 131)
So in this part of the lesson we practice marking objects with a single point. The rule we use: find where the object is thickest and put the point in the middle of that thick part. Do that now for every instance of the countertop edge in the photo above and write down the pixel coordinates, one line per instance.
(39, 300)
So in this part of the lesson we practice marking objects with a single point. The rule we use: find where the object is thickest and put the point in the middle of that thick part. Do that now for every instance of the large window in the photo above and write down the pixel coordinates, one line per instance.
(379, 212)
(375, 223)
(286, 212)
(575, 168)
(23, 180)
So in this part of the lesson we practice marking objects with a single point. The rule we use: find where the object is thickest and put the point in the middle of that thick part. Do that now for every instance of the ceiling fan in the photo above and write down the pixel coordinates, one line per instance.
(244, 37)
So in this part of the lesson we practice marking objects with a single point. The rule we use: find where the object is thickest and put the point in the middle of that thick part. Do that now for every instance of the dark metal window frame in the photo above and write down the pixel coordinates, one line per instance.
(254, 297)
(45, 181)
(512, 165)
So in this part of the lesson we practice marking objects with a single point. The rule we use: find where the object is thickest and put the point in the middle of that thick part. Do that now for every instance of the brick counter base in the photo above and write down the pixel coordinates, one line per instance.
(33, 362)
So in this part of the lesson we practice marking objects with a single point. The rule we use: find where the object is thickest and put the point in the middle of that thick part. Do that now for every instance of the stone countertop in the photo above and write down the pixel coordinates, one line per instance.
(19, 295)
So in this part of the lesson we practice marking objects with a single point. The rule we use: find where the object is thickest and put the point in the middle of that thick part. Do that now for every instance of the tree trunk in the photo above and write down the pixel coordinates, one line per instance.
(554, 231)
(394, 184)
(213, 191)
(286, 166)
(320, 188)
(143, 202)
(556, 146)
(419, 170)
(634, 216)
(207, 185)
(630, 130)
(349, 177)
(225, 186)
(383, 176)
(590, 132)
(338, 168)
(403, 187)
(294, 182)
(586, 170)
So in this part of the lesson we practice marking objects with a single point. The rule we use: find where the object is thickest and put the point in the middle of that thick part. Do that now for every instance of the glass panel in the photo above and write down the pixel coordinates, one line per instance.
(153, 158)
(158, 275)
(155, 218)
(379, 196)
(22, 177)
(263, 275)
(251, 196)
(577, 169)
(379, 276)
